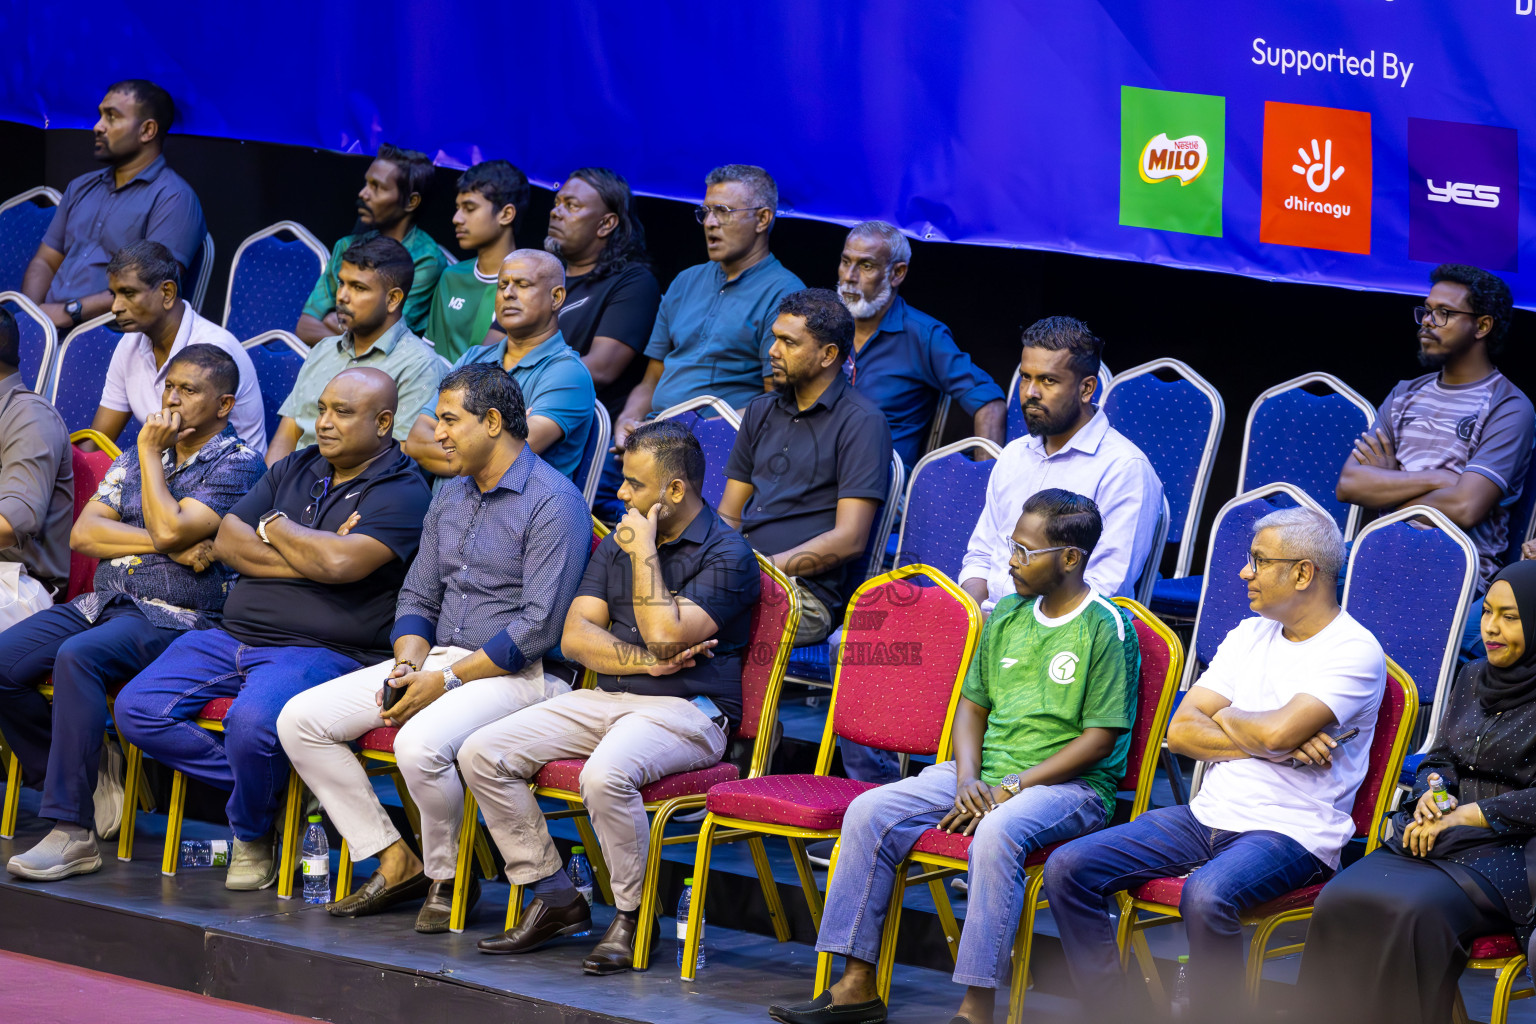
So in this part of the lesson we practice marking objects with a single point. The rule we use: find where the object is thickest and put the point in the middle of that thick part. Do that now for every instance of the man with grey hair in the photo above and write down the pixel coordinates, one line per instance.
(903, 360)
(1283, 716)
(555, 383)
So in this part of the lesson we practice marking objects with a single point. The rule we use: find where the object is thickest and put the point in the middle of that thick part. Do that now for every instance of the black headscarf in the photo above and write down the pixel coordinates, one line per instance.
(1500, 689)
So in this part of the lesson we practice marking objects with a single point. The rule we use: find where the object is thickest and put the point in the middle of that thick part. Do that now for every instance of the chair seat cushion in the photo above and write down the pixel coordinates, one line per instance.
(216, 710)
(1495, 947)
(815, 802)
(1180, 597)
(566, 775)
(1411, 768)
(813, 662)
(1168, 892)
(953, 844)
(381, 739)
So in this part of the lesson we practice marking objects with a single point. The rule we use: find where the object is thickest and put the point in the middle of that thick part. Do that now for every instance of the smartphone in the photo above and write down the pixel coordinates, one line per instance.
(1340, 739)
(392, 694)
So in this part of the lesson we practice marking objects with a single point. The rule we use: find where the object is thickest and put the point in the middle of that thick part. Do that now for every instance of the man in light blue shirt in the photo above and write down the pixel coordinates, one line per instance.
(555, 383)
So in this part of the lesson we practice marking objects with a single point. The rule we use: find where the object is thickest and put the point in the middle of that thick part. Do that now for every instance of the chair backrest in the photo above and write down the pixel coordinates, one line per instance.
(278, 356)
(907, 640)
(1410, 580)
(1223, 594)
(872, 562)
(934, 528)
(1176, 422)
(716, 432)
(936, 428)
(39, 340)
(1016, 427)
(202, 273)
(1146, 582)
(24, 220)
(1522, 514)
(589, 471)
(1303, 437)
(80, 373)
(775, 618)
(1162, 665)
(448, 258)
(270, 278)
(90, 470)
(1394, 730)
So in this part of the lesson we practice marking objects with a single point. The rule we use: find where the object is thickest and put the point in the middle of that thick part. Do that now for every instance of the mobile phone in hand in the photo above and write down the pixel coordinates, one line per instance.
(1340, 739)
(392, 694)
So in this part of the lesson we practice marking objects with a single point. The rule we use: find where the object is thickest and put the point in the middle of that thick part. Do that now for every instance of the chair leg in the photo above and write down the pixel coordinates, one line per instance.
(170, 858)
(885, 965)
(776, 913)
(649, 898)
(946, 912)
(343, 870)
(594, 853)
(1023, 947)
(1253, 975)
(1148, 968)
(514, 906)
(12, 799)
(701, 858)
(134, 787)
(807, 879)
(293, 835)
(1503, 990)
(412, 815)
(469, 833)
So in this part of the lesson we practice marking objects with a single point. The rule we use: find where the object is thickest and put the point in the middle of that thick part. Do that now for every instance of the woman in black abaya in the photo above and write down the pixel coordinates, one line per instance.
(1391, 933)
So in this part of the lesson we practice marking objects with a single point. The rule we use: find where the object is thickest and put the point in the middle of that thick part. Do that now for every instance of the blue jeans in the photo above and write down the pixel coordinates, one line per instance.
(157, 710)
(880, 829)
(1237, 871)
(60, 745)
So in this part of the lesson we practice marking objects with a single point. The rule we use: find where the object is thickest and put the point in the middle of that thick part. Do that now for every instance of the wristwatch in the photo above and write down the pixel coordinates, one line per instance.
(450, 680)
(74, 312)
(261, 524)
(1011, 784)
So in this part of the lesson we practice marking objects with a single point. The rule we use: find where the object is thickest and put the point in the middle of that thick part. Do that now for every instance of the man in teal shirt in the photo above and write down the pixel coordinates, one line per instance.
(490, 196)
(556, 386)
(397, 182)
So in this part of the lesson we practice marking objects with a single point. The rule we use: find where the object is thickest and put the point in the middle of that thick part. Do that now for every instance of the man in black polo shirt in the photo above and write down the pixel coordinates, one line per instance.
(811, 466)
(663, 616)
(321, 544)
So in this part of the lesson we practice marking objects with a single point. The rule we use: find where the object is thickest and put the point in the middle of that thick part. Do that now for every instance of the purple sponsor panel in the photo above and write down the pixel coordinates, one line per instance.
(1463, 194)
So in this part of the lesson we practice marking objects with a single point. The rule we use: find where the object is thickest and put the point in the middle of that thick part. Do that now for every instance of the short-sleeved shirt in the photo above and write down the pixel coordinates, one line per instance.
(463, 309)
(709, 564)
(714, 335)
(905, 366)
(555, 385)
(354, 619)
(172, 595)
(800, 464)
(1484, 427)
(498, 569)
(96, 218)
(429, 261)
(621, 306)
(415, 368)
(37, 483)
(1043, 681)
(135, 384)
(1257, 669)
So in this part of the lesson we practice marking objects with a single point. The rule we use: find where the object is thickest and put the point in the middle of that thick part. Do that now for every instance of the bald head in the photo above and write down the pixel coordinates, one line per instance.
(356, 416)
(529, 292)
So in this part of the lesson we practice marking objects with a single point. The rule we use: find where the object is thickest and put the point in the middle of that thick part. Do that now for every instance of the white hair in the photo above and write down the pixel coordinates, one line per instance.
(901, 249)
(1307, 533)
(546, 262)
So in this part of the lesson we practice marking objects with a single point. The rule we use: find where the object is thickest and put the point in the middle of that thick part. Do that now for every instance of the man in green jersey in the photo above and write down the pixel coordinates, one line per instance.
(1040, 740)
(491, 195)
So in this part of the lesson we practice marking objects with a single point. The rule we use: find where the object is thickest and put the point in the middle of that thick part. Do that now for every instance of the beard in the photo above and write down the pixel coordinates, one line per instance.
(1046, 425)
(859, 306)
(553, 247)
(1433, 360)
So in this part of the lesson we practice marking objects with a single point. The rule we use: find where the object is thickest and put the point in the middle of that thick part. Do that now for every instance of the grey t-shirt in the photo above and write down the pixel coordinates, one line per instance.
(37, 484)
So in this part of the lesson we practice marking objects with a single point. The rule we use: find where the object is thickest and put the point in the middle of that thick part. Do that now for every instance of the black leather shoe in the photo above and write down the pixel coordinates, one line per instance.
(436, 912)
(377, 895)
(822, 1011)
(616, 951)
(541, 923)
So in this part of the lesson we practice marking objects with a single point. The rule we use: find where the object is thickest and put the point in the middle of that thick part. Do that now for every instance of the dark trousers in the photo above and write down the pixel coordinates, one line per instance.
(60, 745)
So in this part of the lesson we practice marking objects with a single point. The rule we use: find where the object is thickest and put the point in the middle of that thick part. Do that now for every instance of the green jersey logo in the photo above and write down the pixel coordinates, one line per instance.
(1063, 668)
(1172, 151)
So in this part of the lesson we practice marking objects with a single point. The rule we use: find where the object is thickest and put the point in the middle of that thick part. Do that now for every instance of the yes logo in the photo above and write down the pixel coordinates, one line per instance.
(1063, 668)
(1317, 178)
(1172, 148)
(1463, 194)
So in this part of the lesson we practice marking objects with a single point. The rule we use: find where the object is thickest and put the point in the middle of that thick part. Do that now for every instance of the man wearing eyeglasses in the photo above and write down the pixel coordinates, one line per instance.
(321, 544)
(1457, 439)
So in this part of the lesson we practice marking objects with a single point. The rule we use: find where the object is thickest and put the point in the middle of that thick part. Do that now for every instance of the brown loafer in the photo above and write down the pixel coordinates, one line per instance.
(378, 895)
(616, 950)
(438, 910)
(541, 923)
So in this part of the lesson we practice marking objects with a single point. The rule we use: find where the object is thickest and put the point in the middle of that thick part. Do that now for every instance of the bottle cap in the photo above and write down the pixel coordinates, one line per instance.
(1184, 958)
(578, 849)
(687, 881)
(314, 817)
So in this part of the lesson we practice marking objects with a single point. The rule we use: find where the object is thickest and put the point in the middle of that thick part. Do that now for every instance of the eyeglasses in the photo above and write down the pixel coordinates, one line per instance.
(1257, 562)
(317, 494)
(722, 213)
(1017, 550)
(1438, 315)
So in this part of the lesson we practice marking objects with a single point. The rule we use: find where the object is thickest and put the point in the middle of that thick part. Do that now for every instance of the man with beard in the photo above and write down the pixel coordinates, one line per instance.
(396, 184)
(137, 197)
(1070, 445)
(376, 275)
(904, 360)
(663, 616)
(811, 465)
(1457, 439)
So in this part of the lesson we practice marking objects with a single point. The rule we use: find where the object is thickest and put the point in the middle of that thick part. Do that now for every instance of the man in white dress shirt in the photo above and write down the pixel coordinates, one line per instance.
(1072, 446)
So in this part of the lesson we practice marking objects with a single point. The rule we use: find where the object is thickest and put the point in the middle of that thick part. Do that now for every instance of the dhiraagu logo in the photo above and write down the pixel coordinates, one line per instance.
(1063, 668)
(1172, 150)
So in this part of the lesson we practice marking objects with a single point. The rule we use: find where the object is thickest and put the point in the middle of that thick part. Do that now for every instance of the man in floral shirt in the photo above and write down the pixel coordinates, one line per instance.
(150, 524)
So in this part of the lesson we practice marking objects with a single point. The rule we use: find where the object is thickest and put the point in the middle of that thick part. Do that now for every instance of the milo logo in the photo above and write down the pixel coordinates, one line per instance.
(1184, 158)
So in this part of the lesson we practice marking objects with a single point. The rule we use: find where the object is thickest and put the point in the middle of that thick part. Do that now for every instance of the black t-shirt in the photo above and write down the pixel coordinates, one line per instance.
(351, 618)
(712, 566)
(621, 306)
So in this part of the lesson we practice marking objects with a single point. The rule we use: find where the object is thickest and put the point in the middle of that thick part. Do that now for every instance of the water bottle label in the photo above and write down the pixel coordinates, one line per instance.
(219, 849)
(682, 929)
(586, 893)
(317, 866)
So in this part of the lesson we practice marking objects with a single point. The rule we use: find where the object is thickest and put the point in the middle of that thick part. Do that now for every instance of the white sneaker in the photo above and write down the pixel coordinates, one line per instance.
(57, 856)
(109, 791)
(253, 865)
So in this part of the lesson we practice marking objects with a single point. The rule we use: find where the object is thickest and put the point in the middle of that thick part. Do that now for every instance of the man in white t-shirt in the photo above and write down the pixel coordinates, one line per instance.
(1273, 813)
(158, 323)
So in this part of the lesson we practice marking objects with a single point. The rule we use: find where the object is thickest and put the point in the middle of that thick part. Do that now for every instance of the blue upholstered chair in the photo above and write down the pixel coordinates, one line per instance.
(24, 219)
(39, 340)
(715, 424)
(278, 356)
(269, 280)
(945, 492)
(80, 372)
(590, 469)
(200, 273)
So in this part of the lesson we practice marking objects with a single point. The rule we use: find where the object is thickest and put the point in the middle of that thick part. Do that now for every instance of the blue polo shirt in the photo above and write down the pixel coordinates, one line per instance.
(714, 335)
(555, 385)
(905, 366)
(96, 218)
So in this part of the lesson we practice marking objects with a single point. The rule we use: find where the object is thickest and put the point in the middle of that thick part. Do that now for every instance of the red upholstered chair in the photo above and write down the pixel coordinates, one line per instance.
(1503, 954)
(944, 854)
(1160, 897)
(907, 640)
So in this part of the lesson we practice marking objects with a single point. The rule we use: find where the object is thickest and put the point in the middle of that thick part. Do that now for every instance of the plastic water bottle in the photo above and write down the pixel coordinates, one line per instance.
(581, 872)
(683, 904)
(1438, 792)
(204, 853)
(1180, 1006)
(317, 863)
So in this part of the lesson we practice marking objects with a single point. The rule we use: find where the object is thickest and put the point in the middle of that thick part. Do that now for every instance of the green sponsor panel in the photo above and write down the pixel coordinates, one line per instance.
(1172, 160)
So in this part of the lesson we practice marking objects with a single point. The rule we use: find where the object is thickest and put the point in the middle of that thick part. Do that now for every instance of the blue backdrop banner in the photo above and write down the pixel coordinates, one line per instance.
(1355, 142)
